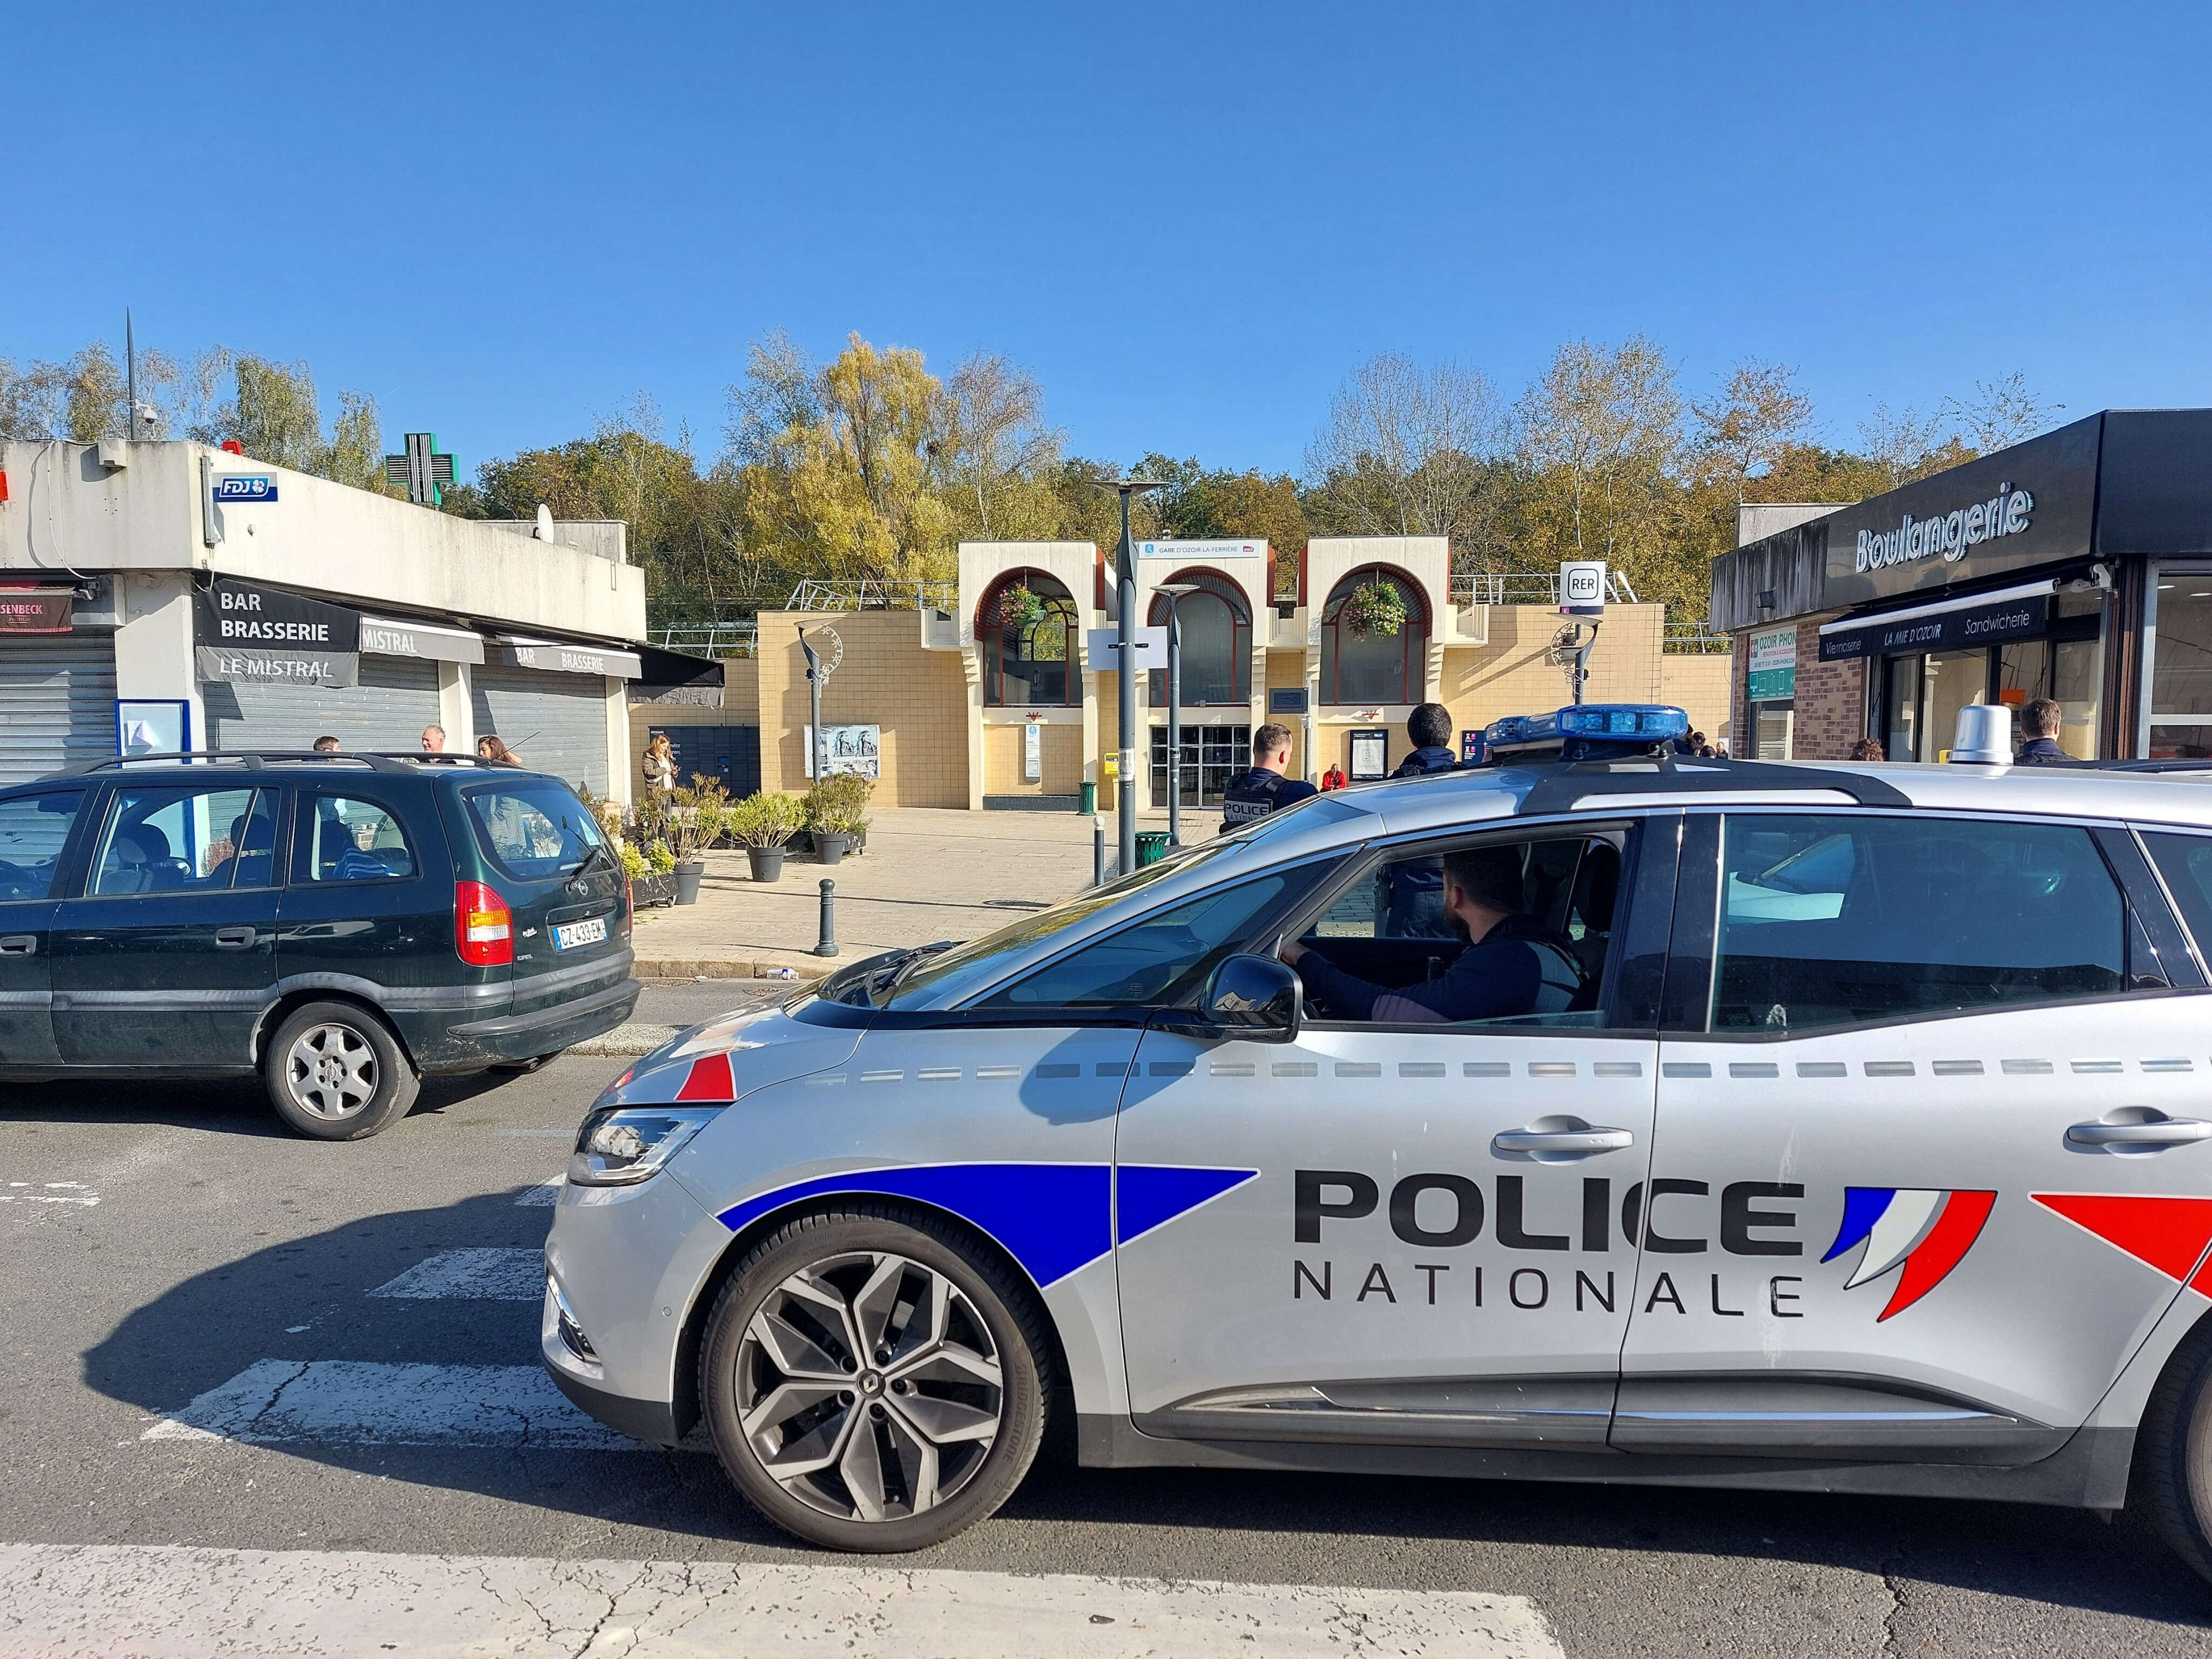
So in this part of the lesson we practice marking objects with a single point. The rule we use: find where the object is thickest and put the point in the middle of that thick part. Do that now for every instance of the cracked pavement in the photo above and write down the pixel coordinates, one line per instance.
(220, 1243)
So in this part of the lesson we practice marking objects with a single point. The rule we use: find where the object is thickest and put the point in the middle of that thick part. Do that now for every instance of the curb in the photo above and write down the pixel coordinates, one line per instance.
(722, 967)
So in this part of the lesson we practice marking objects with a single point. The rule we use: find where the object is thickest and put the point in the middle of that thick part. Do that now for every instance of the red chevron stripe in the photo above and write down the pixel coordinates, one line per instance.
(1944, 1248)
(710, 1078)
(2168, 1234)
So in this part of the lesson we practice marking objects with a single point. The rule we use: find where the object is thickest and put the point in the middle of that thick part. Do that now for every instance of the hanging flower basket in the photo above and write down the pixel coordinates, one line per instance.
(1373, 607)
(1020, 608)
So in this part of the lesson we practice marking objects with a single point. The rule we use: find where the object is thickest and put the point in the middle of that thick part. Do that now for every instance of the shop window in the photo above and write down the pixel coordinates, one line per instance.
(1834, 921)
(1026, 626)
(1371, 667)
(1211, 755)
(1216, 658)
(2181, 668)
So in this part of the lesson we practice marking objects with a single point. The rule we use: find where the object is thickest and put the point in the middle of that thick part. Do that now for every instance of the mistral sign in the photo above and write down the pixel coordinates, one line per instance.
(1950, 536)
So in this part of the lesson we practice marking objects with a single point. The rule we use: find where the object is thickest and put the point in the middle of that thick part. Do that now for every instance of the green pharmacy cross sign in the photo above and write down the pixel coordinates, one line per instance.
(425, 471)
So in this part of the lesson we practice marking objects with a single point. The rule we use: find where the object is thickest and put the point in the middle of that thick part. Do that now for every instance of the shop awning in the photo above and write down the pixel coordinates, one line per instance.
(2009, 613)
(564, 657)
(390, 637)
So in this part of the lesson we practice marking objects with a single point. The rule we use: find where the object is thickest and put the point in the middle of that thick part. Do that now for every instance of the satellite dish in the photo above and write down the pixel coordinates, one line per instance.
(544, 531)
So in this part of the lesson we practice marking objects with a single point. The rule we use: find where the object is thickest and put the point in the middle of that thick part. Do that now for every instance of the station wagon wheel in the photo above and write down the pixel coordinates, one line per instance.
(334, 1072)
(869, 1385)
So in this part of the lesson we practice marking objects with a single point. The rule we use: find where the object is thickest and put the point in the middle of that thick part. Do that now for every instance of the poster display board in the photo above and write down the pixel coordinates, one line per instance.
(849, 749)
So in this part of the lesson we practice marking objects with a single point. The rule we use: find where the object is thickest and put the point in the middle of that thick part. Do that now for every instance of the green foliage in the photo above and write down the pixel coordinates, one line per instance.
(633, 862)
(838, 804)
(659, 859)
(763, 820)
(1374, 608)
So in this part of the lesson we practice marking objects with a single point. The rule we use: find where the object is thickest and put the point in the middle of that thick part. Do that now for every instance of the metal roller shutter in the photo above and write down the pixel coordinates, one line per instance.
(556, 723)
(397, 697)
(57, 703)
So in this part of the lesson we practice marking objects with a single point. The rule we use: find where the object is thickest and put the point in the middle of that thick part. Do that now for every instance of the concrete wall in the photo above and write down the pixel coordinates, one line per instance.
(917, 696)
(67, 510)
(1701, 685)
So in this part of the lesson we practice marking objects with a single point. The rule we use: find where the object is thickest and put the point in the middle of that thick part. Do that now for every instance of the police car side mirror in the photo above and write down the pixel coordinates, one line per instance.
(1257, 997)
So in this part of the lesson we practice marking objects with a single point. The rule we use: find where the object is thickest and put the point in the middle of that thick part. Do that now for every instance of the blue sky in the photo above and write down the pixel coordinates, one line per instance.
(1189, 220)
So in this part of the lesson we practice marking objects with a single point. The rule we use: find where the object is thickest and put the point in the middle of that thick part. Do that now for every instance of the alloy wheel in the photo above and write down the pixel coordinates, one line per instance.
(868, 1387)
(331, 1070)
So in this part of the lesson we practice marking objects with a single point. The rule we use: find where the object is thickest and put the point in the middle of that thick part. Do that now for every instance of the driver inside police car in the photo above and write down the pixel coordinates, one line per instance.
(1512, 964)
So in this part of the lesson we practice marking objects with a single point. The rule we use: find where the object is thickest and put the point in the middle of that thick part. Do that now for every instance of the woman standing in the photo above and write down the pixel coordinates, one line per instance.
(659, 763)
(491, 749)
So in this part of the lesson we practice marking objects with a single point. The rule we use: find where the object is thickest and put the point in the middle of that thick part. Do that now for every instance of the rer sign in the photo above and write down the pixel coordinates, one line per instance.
(245, 487)
(1581, 587)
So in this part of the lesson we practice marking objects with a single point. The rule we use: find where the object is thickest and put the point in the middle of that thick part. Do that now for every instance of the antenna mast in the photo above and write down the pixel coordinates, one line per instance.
(130, 377)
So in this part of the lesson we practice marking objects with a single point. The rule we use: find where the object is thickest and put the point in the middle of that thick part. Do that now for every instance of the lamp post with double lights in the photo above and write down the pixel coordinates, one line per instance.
(1124, 655)
(1173, 591)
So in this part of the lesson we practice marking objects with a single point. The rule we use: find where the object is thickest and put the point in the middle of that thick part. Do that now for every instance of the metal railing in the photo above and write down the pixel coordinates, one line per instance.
(1694, 641)
(1529, 587)
(864, 595)
(721, 639)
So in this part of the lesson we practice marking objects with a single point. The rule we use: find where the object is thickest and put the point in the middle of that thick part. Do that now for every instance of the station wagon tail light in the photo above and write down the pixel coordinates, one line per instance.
(483, 928)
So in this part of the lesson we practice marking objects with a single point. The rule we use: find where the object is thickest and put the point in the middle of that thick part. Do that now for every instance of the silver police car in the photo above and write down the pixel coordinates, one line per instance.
(1865, 1153)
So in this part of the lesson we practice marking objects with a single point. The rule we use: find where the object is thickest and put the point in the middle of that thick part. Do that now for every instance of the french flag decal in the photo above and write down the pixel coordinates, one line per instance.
(1927, 1231)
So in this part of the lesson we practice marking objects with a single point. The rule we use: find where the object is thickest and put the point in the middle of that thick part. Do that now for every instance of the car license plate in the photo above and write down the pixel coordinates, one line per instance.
(592, 930)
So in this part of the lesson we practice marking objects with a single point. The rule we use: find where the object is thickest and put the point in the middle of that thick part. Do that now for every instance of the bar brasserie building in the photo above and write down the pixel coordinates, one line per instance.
(2076, 566)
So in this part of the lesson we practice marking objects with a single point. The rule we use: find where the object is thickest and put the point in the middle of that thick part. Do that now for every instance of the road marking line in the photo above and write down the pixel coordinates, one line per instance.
(48, 1192)
(475, 1274)
(546, 1192)
(345, 1402)
(190, 1603)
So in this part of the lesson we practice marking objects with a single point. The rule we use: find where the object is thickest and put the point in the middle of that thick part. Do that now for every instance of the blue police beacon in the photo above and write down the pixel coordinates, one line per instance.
(1585, 731)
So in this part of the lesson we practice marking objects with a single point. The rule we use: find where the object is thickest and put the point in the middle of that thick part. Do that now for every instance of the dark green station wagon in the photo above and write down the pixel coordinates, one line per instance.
(341, 924)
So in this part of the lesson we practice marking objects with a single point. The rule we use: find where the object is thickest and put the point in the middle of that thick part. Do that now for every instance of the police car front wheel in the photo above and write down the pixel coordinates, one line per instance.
(872, 1381)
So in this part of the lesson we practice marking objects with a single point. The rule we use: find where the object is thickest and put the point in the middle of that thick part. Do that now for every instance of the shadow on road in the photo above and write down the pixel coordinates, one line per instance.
(214, 1326)
(217, 1105)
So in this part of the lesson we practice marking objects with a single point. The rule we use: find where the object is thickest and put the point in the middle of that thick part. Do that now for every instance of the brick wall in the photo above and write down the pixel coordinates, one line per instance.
(1831, 700)
(918, 697)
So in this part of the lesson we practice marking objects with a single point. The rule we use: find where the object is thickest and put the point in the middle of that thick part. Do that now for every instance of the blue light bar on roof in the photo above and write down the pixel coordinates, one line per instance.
(1588, 726)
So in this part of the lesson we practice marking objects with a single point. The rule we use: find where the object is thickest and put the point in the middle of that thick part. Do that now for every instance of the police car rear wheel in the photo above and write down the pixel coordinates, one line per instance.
(2173, 1452)
(870, 1381)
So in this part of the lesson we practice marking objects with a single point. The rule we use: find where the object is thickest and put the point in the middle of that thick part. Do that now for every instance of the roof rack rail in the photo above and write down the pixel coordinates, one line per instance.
(2135, 765)
(1561, 786)
(250, 759)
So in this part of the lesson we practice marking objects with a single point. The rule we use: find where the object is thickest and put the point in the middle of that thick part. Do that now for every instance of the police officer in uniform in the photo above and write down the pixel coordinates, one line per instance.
(1513, 964)
(1429, 726)
(1250, 796)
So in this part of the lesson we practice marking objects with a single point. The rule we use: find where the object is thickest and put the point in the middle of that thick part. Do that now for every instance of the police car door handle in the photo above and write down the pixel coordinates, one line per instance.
(1593, 1140)
(2158, 1132)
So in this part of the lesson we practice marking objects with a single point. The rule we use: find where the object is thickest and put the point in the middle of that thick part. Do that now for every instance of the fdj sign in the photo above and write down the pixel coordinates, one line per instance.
(246, 487)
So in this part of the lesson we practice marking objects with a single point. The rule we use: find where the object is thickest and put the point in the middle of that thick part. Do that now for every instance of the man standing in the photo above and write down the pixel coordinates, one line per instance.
(434, 739)
(1250, 796)
(2038, 723)
(1429, 726)
(326, 745)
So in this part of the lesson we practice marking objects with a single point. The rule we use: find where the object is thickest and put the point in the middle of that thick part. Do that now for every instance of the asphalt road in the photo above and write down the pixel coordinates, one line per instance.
(157, 1241)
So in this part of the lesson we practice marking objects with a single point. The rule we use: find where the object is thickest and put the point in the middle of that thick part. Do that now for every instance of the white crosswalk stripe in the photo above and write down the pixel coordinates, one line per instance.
(545, 1193)
(474, 1274)
(350, 1402)
(58, 1601)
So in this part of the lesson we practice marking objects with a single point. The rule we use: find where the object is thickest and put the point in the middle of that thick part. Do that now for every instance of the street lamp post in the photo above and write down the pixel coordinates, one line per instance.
(1125, 649)
(1174, 592)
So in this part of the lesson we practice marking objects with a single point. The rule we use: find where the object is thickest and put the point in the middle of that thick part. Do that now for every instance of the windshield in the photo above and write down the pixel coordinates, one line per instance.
(534, 830)
(961, 966)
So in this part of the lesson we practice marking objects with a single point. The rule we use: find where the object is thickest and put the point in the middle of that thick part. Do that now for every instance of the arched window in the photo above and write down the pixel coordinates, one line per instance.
(1364, 665)
(1026, 624)
(1216, 642)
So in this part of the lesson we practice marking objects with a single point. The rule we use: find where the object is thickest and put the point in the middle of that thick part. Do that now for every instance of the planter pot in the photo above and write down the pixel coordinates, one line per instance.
(829, 846)
(767, 862)
(648, 891)
(687, 881)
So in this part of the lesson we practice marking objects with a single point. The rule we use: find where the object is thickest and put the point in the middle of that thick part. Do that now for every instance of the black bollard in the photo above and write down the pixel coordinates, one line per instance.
(827, 947)
(1097, 851)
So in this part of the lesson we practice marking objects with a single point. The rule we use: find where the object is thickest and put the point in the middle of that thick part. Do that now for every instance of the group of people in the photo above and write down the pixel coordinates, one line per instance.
(2040, 720)
(489, 747)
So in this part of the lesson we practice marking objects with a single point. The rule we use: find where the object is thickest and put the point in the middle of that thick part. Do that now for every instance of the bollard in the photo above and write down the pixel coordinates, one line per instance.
(1098, 852)
(827, 947)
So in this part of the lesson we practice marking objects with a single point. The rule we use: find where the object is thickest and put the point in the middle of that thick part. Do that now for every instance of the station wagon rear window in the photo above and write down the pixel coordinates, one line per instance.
(533, 830)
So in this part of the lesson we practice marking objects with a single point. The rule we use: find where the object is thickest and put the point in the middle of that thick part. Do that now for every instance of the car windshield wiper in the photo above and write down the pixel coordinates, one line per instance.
(880, 991)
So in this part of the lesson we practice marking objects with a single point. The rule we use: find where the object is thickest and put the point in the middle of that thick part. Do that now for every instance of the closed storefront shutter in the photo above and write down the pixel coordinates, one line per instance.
(555, 723)
(57, 703)
(397, 697)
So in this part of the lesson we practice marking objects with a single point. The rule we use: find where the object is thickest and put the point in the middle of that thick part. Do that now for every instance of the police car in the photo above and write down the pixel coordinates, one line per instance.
(1870, 1156)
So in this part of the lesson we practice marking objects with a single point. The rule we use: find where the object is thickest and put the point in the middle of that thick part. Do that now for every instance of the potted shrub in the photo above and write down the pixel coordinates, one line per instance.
(837, 813)
(1374, 607)
(694, 823)
(652, 870)
(761, 824)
